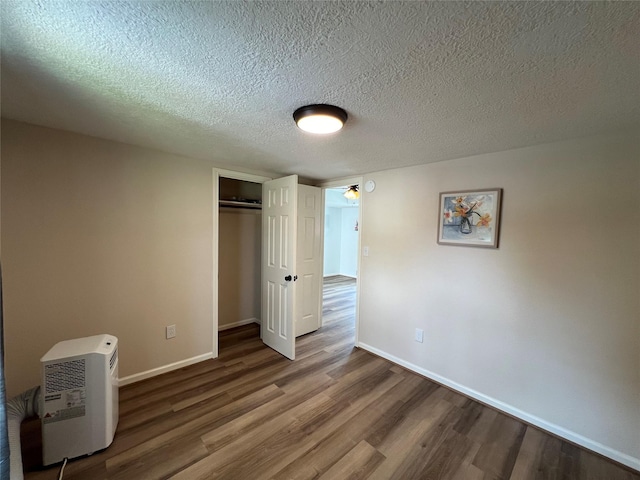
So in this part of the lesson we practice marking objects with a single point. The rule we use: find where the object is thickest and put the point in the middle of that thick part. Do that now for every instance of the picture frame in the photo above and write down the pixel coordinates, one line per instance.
(470, 218)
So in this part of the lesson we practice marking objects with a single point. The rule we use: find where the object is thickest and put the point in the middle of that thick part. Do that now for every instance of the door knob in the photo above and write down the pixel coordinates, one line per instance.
(287, 278)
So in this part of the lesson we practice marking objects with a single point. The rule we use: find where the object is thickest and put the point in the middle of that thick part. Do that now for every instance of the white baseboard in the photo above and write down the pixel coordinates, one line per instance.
(578, 439)
(239, 323)
(137, 377)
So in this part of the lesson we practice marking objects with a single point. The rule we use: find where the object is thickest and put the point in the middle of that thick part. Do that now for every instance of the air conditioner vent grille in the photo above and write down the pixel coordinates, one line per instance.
(64, 376)
(114, 357)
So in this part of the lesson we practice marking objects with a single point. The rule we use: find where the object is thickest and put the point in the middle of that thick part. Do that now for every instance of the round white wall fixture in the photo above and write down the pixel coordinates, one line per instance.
(370, 186)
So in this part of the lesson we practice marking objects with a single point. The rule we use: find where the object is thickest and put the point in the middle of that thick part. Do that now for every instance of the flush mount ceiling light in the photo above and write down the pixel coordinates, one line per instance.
(352, 192)
(320, 119)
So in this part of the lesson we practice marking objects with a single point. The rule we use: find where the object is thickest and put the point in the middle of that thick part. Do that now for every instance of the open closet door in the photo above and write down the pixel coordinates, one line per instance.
(309, 262)
(279, 229)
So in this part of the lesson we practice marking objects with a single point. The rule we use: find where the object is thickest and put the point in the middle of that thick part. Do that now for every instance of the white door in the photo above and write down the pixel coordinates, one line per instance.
(279, 219)
(309, 260)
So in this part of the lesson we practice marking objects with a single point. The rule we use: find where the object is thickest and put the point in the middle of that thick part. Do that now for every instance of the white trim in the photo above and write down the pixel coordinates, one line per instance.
(361, 230)
(247, 177)
(576, 438)
(137, 377)
(239, 323)
(341, 182)
(215, 241)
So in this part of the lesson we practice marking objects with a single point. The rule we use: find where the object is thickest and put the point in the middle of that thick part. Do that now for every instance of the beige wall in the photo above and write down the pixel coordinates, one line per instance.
(101, 237)
(239, 265)
(548, 325)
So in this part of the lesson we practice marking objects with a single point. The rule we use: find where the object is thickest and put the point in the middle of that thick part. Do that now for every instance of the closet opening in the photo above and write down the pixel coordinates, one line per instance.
(239, 254)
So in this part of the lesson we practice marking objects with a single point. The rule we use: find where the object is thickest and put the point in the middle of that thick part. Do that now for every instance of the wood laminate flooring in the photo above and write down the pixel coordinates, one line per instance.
(335, 413)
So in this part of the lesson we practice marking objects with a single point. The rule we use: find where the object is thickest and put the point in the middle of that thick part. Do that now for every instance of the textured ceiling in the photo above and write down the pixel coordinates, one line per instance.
(422, 81)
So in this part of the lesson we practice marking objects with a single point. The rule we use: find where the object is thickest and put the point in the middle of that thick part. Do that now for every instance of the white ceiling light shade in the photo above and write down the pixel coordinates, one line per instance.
(321, 119)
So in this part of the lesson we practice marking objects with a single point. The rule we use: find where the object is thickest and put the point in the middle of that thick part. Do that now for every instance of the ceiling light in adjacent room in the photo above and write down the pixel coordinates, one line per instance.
(352, 192)
(320, 119)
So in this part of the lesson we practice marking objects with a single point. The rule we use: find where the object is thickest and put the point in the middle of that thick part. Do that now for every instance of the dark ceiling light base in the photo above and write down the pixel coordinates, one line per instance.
(320, 118)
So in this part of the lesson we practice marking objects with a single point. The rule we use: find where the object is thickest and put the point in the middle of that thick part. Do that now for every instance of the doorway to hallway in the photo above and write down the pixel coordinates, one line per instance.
(340, 260)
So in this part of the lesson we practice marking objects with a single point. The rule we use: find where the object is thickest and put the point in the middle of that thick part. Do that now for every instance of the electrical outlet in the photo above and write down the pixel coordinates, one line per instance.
(171, 331)
(365, 251)
(419, 335)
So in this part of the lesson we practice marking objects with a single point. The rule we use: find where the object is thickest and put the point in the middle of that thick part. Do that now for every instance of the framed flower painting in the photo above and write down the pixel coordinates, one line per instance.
(470, 218)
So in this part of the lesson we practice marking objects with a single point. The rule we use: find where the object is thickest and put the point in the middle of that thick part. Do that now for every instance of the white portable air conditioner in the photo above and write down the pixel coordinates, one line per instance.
(79, 397)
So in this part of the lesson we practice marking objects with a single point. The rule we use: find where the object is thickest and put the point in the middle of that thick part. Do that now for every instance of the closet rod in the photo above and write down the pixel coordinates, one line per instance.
(236, 204)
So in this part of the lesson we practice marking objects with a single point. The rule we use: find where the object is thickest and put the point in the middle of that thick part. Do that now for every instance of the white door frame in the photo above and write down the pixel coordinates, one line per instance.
(341, 182)
(217, 173)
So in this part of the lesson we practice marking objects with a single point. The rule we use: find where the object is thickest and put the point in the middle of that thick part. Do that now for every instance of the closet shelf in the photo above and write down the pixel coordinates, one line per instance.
(241, 204)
